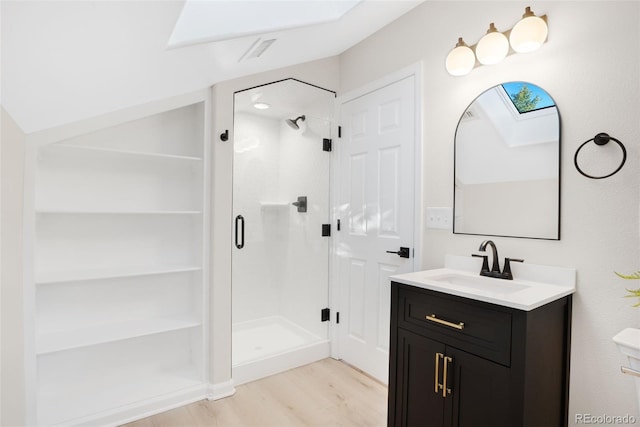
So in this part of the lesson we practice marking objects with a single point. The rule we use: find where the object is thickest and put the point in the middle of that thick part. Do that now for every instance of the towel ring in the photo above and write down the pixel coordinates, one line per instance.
(601, 139)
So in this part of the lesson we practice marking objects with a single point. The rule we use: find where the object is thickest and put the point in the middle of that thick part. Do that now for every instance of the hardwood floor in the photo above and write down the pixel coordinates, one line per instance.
(325, 393)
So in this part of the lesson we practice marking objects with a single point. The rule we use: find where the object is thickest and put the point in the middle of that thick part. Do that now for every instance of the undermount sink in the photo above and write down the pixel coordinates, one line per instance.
(481, 282)
(532, 287)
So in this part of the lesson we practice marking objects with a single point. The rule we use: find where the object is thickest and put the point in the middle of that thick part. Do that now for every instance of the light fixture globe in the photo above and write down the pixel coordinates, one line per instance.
(461, 60)
(492, 47)
(529, 33)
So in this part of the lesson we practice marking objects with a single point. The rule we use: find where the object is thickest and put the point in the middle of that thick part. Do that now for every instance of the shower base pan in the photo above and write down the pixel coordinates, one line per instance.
(271, 345)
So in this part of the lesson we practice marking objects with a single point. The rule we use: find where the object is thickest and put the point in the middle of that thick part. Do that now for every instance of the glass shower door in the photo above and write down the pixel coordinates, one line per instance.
(281, 199)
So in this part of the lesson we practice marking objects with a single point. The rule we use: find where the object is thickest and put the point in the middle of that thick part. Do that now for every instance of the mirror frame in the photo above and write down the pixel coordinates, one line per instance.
(559, 167)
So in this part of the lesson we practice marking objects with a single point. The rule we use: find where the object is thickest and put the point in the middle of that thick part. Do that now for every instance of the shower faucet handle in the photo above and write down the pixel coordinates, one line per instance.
(301, 204)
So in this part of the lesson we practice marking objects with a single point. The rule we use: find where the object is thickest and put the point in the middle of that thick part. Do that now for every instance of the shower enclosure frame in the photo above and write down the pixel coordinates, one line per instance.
(254, 369)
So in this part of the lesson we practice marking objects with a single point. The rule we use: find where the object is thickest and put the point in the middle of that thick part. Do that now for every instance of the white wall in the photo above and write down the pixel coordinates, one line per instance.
(12, 386)
(323, 73)
(591, 67)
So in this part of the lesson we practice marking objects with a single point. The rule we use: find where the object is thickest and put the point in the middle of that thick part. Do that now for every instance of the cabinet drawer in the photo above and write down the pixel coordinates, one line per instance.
(465, 324)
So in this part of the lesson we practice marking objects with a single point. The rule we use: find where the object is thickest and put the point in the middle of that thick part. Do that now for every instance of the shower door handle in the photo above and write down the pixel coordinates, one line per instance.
(239, 223)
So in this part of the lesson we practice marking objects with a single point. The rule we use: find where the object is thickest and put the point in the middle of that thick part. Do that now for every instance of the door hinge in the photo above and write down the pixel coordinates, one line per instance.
(326, 144)
(337, 317)
(339, 131)
(338, 225)
(326, 230)
(325, 314)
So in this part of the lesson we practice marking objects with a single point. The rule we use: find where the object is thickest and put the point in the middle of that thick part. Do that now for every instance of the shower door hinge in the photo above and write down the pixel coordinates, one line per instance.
(339, 131)
(326, 144)
(337, 317)
(326, 230)
(325, 314)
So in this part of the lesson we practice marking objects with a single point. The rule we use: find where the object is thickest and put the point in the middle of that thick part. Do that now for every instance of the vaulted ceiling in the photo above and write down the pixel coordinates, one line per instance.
(64, 61)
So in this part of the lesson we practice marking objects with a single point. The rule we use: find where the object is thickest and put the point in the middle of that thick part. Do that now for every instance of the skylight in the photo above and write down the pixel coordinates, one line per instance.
(214, 20)
(527, 97)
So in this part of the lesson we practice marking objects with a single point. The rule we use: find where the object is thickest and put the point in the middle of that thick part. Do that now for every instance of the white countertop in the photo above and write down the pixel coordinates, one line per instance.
(533, 285)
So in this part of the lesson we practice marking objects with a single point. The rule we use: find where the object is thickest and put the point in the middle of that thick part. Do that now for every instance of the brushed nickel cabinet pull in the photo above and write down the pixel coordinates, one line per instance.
(433, 318)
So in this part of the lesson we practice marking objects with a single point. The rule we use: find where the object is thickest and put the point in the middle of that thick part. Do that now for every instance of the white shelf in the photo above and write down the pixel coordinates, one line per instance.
(274, 207)
(110, 273)
(102, 392)
(122, 212)
(119, 222)
(87, 179)
(125, 152)
(106, 242)
(71, 339)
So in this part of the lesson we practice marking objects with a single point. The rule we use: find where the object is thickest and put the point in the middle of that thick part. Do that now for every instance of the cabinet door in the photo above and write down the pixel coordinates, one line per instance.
(417, 403)
(480, 395)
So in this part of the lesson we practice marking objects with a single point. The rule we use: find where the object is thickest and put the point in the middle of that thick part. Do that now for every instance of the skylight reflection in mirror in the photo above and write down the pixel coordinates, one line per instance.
(527, 97)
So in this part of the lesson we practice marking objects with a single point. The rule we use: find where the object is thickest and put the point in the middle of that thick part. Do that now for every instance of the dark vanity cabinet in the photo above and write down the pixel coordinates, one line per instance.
(460, 362)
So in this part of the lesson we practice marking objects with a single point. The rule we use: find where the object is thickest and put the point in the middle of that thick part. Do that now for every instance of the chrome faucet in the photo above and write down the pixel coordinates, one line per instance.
(495, 268)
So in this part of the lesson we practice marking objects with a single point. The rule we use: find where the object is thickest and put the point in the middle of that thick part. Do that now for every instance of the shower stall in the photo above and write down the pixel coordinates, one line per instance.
(280, 262)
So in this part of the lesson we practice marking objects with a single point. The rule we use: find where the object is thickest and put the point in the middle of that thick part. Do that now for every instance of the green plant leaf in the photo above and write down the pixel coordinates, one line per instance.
(633, 293)
(633, 276)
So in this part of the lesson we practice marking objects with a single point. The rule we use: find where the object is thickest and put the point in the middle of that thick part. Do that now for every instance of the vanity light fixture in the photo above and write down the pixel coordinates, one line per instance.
(492, 47)
(526, 36)
(529, 33)
(461, 59)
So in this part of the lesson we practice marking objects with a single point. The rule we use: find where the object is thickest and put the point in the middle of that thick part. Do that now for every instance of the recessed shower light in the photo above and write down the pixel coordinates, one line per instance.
(261, 105)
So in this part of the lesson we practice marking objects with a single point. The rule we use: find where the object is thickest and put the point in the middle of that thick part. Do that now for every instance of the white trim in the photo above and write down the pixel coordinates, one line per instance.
(143, 409)
(418, 231)
(415, 71)
(221, 390)
(277, 363)
(28, 283)
(206, 233)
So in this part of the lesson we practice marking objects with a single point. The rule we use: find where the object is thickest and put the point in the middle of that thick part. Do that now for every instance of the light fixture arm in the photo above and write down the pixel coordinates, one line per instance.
(528, 12)
(492, 28)
(461, 42)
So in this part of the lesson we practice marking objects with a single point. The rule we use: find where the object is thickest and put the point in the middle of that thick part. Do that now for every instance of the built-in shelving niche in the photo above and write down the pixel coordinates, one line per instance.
(119, 271)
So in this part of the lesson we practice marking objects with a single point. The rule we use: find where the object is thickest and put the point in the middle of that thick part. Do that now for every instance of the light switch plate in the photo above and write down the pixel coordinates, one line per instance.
(440, 218)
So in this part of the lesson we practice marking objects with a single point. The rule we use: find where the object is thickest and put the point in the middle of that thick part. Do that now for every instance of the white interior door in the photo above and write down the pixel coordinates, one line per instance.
(376, 211)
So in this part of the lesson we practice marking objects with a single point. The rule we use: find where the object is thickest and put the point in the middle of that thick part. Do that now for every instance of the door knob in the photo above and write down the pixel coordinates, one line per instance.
(402, 253)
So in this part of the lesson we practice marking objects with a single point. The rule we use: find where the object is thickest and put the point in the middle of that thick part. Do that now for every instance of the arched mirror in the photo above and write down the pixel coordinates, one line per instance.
(507, 164)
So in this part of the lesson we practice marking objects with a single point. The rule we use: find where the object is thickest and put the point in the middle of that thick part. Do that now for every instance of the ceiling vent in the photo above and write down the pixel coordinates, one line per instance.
(468, 115)
(256, 49)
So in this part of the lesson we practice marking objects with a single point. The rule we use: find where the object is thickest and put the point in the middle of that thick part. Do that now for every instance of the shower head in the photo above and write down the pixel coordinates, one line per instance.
(294, 123)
